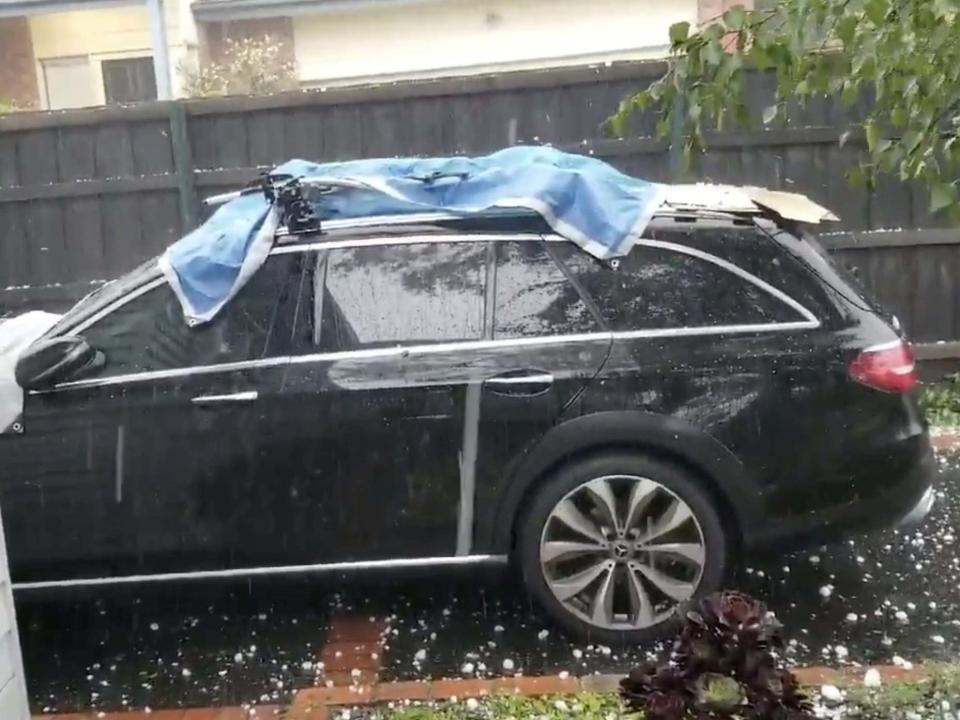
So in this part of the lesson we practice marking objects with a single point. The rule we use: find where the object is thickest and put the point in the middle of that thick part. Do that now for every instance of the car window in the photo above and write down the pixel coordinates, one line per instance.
(657, 288)
(149, 332)
(533, 295)
(756, 252)
(387, 295)
(103, 295)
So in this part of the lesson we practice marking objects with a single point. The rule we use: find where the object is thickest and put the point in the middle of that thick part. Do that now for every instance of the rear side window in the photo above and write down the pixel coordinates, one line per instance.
(756, 252)
(388, 295)
(656, 288)
(149, 333)
(533, 295)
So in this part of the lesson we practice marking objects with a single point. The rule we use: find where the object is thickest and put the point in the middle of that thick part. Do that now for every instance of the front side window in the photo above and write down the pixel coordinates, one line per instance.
(533, 295)
(149, 332)
(389, 295)
(655, 288)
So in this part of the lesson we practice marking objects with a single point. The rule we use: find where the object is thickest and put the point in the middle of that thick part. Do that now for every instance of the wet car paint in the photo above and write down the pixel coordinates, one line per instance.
(342, 456)
(119, 649)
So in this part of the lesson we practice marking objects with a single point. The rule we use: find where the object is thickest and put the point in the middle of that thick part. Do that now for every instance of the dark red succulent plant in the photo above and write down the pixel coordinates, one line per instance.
(722, 665)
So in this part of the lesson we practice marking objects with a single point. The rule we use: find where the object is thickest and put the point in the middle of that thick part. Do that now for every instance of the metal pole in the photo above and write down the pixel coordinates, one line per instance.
(161, 55)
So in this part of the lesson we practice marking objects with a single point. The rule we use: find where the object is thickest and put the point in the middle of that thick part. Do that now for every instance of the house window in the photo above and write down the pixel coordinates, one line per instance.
(128, 80)
(69, 83)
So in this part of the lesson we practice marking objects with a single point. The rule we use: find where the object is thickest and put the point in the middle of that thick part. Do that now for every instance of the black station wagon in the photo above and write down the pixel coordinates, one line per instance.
(430, 391)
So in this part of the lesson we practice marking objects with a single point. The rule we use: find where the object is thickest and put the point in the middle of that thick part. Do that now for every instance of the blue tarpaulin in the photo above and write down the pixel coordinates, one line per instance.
(582, 198)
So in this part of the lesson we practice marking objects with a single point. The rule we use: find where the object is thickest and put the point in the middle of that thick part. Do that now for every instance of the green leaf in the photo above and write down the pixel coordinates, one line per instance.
(870, 129)
(942, 195)
(734, 17)
(855, 176)
(713, 32)
(714, 52)
(617, 123)
(846, 29)
(911, 140)
(679, 32)
(770, 114)
(876, 11)
(656, 90)
(760, 57)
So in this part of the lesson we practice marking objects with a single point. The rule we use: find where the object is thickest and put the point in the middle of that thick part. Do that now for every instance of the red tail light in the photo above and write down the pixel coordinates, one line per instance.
(890, 367)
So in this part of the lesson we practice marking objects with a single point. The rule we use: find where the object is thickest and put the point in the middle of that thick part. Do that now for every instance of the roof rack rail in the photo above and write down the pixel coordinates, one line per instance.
(294, 196)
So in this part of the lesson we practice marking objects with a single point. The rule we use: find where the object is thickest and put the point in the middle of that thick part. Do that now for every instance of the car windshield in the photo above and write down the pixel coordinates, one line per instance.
(104, 295)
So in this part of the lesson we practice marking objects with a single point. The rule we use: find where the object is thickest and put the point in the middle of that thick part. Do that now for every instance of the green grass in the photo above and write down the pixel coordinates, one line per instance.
(937, 697)
(584, 706)
(933, 697)
(941, 402)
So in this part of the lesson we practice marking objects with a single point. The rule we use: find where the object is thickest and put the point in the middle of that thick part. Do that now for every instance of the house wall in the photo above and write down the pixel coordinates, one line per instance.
(106, 33)
(712, 9)
(216, 34)
(18, 79)
(450, 37)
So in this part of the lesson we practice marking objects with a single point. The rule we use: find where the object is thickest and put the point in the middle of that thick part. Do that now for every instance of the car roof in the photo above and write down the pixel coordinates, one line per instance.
(689, 200)
(443, 224)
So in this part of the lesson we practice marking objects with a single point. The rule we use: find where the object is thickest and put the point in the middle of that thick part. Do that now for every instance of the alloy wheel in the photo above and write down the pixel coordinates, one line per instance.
(621, 552)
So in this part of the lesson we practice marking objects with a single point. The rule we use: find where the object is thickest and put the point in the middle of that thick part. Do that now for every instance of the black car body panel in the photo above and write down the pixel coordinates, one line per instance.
(396, 393)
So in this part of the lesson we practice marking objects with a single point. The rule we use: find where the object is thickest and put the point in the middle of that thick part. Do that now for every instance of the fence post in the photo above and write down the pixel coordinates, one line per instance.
(676, 137)
(183, 166)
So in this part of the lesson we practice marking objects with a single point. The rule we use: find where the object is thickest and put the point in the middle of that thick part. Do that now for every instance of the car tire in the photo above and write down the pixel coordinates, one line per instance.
(661, 495)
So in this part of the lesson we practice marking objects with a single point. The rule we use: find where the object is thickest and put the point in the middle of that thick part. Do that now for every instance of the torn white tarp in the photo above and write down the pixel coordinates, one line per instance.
(16, 334)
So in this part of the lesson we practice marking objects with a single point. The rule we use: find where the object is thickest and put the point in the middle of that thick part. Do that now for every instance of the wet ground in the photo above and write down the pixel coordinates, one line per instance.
(228, 644)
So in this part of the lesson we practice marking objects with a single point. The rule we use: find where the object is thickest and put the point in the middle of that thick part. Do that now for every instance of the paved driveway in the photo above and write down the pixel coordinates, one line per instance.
(210, 644)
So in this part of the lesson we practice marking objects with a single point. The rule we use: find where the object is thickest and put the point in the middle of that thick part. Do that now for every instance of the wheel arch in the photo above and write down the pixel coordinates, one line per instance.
(664, 436)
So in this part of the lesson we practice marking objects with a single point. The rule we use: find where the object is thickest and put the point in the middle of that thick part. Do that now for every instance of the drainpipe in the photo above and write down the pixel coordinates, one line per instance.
(161, 54)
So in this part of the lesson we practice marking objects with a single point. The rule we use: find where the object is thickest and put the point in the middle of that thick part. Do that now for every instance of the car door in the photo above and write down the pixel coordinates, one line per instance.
(179, 470)
(373, 427)
(548, 344)
(699, 338)
(57, 485)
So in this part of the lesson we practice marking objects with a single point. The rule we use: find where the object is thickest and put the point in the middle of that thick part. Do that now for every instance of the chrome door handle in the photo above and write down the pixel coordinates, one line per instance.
(521, 384)
(240, 397)
(538, 379)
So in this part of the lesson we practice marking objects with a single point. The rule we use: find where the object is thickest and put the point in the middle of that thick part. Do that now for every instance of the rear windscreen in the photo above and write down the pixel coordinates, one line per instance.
(831, 269)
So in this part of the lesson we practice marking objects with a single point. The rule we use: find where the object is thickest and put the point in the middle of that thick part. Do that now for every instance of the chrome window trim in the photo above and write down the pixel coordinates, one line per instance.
(396, 563)
(718, 330)
(403, 240)
(735, 270)
(164, 374)
(401, 351)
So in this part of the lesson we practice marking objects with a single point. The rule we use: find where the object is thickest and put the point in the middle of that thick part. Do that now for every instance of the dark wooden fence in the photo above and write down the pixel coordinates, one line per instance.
(86, 195)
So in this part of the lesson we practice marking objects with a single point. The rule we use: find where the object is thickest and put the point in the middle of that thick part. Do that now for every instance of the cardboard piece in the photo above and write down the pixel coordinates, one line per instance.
(790, 206)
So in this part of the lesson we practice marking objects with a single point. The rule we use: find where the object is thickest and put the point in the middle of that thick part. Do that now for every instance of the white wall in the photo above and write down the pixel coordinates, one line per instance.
(108, 33)
(449, 37)
(13, 688)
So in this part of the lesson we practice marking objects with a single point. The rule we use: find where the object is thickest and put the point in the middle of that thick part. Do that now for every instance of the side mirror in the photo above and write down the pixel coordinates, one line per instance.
(47, 362)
